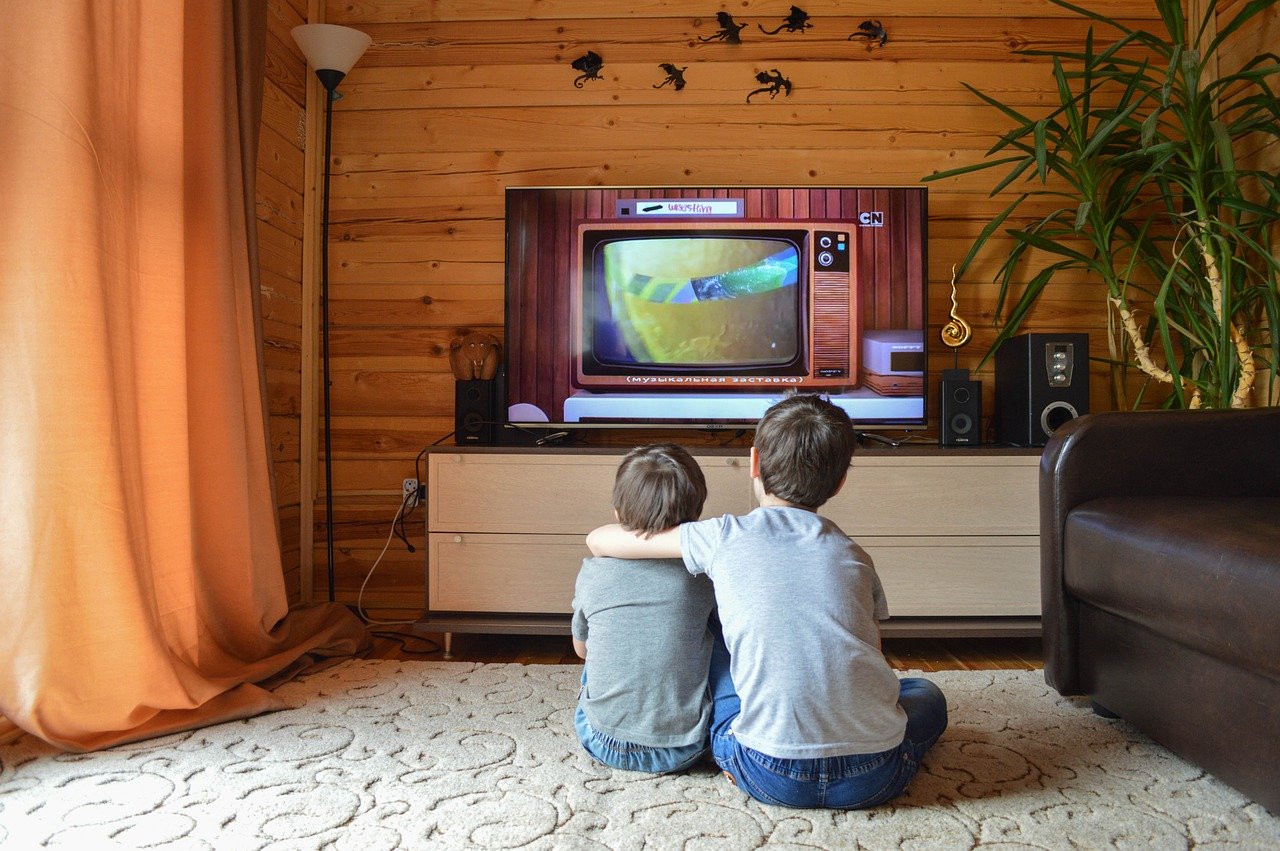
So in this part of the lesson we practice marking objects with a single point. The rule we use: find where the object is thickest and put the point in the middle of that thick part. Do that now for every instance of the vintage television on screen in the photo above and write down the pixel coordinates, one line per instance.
(649, 306)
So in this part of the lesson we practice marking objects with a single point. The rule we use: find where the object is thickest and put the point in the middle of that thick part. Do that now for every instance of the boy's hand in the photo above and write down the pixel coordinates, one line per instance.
(616, 542)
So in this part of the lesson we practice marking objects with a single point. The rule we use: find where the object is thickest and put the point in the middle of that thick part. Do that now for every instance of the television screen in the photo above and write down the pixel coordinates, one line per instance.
(650, 306)
(695, 301)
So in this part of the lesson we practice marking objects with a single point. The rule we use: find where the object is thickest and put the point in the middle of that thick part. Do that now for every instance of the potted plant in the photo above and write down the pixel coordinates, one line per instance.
(1139, 157)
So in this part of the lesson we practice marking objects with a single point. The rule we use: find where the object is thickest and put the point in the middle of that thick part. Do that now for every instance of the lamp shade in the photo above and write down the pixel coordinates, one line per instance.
(329, 47)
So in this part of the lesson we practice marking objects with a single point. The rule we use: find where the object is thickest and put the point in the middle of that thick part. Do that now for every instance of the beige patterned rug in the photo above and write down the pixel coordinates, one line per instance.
(408, 755)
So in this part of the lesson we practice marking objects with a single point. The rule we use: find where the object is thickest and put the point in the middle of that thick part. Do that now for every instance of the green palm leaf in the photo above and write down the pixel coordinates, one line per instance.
(1144, 150)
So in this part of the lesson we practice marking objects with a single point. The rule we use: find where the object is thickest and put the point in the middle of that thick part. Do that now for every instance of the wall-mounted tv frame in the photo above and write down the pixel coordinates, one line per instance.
(698, 307)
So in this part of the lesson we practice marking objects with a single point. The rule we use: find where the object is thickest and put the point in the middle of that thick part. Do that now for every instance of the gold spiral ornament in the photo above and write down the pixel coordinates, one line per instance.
(956, 332)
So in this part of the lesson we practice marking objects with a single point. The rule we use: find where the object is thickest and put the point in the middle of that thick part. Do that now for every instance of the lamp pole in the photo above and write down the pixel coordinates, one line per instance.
(330, 96)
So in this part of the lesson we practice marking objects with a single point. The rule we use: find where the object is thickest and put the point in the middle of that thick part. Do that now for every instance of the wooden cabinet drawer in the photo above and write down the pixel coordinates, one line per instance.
(472, 572)
(964, 577)
(552, 494)
(922, 577)
(932, 496)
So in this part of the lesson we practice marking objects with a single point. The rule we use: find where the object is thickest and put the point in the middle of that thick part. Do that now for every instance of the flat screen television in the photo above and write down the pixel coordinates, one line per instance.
(699, 307)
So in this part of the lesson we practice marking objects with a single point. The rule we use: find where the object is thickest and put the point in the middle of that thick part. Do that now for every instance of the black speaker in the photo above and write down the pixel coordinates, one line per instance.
(474, 422)
(1042, 381)
(960, 423)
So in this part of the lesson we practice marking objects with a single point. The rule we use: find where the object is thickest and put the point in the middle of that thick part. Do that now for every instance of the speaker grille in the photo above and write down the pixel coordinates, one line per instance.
(831, 335)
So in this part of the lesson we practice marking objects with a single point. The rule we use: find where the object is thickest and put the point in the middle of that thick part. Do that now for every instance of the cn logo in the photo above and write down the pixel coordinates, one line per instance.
(871, 219)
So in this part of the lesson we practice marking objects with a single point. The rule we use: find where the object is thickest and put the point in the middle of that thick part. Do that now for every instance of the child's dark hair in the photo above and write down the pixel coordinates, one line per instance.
(657, 487)
(804, 444)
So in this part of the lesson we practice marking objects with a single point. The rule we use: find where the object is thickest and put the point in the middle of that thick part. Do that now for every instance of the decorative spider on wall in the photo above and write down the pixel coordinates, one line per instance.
(675, 76)
(796, 22)
(589, 64)
(773, 82)
(729, 30)
(872, 31)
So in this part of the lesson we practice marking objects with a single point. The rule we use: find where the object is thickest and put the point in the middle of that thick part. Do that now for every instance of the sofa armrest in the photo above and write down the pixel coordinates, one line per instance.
(1153, 453)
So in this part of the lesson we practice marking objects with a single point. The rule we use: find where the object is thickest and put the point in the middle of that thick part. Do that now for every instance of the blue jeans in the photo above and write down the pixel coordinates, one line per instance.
(628, 756)
(836, 782)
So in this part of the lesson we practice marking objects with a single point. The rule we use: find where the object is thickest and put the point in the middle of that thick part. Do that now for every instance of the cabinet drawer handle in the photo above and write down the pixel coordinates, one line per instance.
(457, 539)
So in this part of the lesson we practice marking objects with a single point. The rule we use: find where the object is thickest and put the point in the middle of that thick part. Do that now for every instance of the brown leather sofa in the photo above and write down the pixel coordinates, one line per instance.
(1160, 581)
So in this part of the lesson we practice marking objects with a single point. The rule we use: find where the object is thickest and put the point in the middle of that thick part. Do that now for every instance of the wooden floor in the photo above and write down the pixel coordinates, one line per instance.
(923, 654)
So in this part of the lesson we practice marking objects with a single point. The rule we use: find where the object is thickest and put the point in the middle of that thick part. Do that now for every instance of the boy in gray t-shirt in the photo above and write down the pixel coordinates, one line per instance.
(644, 704)
(806, 710)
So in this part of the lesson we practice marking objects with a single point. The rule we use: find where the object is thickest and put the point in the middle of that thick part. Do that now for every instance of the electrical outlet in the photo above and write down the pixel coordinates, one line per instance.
(410, 491)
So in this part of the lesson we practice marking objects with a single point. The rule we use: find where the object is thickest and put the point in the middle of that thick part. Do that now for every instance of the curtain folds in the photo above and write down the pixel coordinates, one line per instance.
(143, 591)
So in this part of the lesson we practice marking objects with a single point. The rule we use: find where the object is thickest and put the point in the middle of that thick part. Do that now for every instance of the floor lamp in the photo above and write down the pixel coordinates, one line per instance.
(331, 50)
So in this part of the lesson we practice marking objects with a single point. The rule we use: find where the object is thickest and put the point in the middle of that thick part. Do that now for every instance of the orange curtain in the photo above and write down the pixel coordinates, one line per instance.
(142, 585)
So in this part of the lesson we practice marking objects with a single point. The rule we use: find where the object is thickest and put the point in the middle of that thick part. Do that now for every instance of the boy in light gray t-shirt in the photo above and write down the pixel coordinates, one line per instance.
(799, 603)
(644, 704)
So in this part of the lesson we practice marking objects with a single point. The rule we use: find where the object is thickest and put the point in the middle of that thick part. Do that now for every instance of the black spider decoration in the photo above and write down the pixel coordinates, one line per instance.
(796, 22)
(675, 76)
(729, 30)
(871, 31)
(773, 82)
(589, 64)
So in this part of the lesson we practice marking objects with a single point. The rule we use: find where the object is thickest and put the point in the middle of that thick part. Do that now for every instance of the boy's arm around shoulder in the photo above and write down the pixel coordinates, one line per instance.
(613, 541)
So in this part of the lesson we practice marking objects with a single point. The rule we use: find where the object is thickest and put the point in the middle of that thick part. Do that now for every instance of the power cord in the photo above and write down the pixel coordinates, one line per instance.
(417, 500)
(360, 597)
(403, 638)
(408, 505)
(737, 435)
(399, 527)
(551, 437)
(865, 437)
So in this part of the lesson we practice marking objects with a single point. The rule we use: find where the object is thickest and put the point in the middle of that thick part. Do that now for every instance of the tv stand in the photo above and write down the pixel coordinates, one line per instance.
(954, 532)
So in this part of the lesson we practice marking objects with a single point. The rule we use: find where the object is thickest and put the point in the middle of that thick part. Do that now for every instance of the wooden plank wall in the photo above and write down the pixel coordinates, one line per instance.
(456, 100)
(280, 236)
(1263, 154)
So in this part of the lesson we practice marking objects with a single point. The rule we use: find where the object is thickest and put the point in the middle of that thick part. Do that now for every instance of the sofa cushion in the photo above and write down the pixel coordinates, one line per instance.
(1204, 572)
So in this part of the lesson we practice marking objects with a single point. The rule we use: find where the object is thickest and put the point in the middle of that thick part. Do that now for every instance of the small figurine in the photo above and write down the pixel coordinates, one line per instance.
(871, 31)
(774, 82)
(589, 64)
(796, 22)
(675, 76)
(729, 30)
(474, 356)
